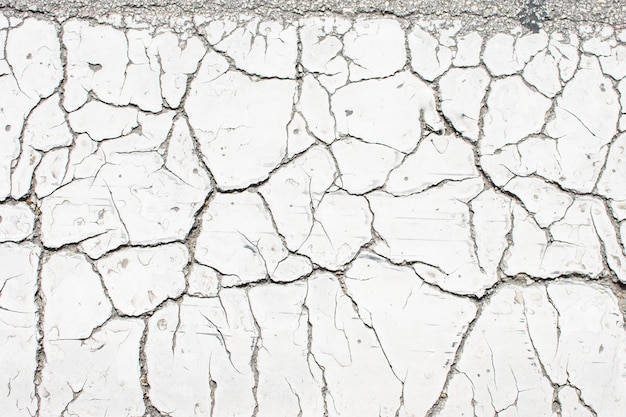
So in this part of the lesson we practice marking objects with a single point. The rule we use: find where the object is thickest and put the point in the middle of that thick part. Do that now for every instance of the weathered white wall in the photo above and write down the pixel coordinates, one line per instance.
(330, 215)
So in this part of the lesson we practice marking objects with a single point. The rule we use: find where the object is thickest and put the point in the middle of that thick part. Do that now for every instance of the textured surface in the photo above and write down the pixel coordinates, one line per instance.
(330, 214)
(530, 12)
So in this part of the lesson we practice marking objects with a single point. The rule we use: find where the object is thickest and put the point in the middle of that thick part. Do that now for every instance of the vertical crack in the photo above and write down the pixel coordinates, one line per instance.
(40, 302)
(371, 327)
(311, 356)
(440, 402)
(150, 410)
(254, 365)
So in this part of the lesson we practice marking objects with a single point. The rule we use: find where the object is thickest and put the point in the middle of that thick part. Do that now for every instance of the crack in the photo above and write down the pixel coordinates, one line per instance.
(255, 245)
(472, 230)
(117, 211)
(143, 366)
(300, 411)
(311, 356)
(544, 372)
(371, 327)
(440, 402)
(40, 302)
(582, 401)
(177, 328)
(213, 390)
(222, 340)
(254, 366)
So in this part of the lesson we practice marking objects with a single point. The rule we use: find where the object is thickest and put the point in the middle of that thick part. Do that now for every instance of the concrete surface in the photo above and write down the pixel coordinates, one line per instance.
(563, 13)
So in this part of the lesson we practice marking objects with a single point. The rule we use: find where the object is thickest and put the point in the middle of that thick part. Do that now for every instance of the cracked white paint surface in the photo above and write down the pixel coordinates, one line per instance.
(323, 216)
